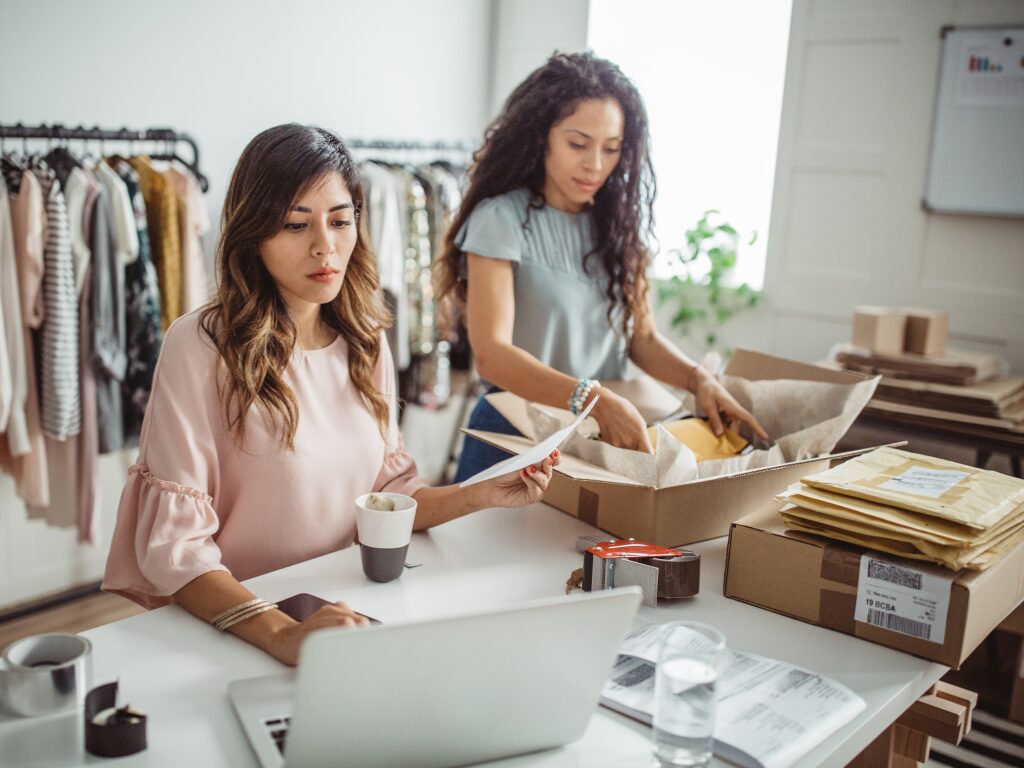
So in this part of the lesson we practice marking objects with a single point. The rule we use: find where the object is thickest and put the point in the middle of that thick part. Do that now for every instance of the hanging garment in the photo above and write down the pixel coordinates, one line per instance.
(385, 228)
(122, 216)
(76, 188)
(60, 406)
(193, 222)
(142, 312)
(165, 237)
(12, 354)
(30, 471)
(107, 311)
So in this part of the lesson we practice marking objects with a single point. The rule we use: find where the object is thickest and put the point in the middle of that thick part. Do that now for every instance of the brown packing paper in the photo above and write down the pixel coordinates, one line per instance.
(979, 500)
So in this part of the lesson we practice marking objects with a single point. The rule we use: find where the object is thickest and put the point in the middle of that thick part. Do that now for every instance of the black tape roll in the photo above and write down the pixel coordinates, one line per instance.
(122, 732)
(677, 576)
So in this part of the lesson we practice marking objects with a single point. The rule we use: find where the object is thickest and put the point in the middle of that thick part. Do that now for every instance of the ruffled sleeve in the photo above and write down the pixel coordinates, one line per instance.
(167, 518)
(398, 473)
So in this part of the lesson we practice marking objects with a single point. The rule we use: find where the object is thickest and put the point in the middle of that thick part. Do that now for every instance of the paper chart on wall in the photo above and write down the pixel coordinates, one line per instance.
(535, 455)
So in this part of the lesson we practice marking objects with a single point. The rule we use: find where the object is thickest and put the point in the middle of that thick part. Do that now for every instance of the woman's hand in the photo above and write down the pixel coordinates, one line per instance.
(518, 489)
(621, 423)
(720, 406)
(285, 643)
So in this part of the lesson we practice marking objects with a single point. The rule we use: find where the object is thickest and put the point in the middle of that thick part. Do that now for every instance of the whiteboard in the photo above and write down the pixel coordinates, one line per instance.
(977, 152)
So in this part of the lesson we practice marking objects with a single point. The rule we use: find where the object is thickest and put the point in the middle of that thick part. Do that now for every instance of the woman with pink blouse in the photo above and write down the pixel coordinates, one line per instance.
(274, 406)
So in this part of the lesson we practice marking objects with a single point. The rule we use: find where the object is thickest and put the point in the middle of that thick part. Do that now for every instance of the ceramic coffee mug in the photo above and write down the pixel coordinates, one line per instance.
(47, 673)
(384, 536)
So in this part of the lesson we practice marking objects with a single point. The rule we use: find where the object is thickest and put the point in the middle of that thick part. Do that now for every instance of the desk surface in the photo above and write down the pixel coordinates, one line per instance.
(176, 668)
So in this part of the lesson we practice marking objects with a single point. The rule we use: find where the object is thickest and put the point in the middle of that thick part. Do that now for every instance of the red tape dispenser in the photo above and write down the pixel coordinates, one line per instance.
(659, 571)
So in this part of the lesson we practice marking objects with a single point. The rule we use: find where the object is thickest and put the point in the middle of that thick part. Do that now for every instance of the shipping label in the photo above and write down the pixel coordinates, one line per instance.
(903, 599)
(925, 482)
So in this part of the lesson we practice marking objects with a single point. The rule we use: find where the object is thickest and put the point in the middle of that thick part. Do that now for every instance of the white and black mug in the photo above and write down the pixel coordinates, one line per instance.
(384, 536)
(42, 674)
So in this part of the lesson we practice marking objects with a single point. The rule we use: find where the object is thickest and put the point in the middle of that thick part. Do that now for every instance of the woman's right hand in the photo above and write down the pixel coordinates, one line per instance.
(621, 423)
(285, 642)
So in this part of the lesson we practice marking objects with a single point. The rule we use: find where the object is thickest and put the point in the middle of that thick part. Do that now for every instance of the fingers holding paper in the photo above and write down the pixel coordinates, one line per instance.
(720, 406)
(527, 486)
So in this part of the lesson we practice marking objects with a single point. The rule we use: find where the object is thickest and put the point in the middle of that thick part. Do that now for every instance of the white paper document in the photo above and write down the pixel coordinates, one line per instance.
(535, 455)
(769, 713)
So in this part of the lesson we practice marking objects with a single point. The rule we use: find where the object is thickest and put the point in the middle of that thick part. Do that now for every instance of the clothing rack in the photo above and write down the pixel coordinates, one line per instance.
(60, 132)
(464, 147)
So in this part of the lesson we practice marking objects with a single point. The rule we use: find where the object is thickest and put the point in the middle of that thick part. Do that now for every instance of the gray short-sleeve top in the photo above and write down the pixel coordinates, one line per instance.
(560, 311)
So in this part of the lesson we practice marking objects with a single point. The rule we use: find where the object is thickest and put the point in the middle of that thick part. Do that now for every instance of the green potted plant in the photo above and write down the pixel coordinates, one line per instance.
(697, 291)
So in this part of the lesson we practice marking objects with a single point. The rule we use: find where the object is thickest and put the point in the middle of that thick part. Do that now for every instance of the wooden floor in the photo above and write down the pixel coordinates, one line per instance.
(75, 616)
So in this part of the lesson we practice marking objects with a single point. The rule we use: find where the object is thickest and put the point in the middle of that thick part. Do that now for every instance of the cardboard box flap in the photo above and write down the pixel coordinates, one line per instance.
(757, 366)
(568, 465)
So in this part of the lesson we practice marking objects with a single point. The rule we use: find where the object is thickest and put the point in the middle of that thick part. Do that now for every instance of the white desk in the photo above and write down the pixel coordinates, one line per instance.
(176, 668)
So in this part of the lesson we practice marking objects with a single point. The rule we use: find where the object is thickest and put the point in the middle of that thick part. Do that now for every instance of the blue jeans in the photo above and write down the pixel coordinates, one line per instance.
(476, 455)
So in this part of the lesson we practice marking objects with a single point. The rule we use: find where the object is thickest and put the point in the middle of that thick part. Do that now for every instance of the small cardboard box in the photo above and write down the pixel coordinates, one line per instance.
(815, 579)
(927, 332)
(879, 329)
(693, 511)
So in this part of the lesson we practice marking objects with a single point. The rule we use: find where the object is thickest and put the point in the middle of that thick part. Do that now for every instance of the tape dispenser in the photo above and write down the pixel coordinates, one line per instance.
(665, 572)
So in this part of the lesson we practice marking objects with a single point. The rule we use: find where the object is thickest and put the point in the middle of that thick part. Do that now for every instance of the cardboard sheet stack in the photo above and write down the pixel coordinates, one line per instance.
(912, 505)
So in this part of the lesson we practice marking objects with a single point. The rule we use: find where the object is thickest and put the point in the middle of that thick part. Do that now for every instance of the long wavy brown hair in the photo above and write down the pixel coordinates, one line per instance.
(248, 321)
(512, 156)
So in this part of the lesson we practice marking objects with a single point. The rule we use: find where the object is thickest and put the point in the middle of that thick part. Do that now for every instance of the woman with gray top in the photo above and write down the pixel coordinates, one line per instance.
(546, 261)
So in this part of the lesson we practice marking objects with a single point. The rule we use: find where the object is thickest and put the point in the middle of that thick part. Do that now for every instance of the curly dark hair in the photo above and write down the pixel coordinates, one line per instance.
(512, 156)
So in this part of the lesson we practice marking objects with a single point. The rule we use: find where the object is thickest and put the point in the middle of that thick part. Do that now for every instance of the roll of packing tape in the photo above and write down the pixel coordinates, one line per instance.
(111, 731)
(677, 576)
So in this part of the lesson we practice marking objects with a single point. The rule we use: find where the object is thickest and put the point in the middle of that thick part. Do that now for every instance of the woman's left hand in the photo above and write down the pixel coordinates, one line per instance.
(720, 406)
(517, 489)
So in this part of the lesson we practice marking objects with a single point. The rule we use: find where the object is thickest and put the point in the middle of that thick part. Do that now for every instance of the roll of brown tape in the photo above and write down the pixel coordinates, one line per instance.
(677, 576)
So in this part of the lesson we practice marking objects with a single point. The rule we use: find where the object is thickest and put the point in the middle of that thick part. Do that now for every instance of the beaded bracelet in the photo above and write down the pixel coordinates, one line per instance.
(580, 394)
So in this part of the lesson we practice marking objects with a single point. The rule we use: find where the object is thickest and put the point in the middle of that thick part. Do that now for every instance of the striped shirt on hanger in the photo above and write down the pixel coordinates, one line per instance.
(60, 401)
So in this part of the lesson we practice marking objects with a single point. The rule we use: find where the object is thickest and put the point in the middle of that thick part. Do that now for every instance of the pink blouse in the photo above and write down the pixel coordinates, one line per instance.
(196, 502)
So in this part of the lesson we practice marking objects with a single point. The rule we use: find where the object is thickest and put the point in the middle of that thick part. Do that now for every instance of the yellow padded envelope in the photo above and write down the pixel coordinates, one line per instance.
(977, 498)
(697, 435)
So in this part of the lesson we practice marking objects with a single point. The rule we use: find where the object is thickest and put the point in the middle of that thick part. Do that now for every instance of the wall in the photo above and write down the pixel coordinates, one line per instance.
(224, 71)
(847, 226)
(525, 33)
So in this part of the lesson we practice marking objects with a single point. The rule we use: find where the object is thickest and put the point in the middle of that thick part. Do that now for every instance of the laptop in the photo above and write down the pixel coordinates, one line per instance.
(442, 692)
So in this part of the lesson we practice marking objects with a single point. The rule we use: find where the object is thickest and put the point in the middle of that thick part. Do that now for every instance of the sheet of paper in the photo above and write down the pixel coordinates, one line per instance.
(535, 455)
(769, 713)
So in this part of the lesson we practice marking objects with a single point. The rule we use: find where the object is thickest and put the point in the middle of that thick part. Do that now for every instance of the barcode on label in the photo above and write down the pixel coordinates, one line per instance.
(894, 574)
(899, 624)
(635, 676)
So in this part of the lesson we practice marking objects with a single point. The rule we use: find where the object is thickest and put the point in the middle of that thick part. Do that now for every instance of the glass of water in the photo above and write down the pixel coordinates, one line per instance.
(691, 658)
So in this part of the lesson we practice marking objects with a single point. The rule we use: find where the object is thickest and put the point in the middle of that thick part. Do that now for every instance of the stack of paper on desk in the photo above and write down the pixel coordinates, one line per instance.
(912, 505)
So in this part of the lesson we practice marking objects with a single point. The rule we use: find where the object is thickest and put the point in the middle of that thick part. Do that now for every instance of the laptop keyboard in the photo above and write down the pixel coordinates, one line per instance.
(277, 728)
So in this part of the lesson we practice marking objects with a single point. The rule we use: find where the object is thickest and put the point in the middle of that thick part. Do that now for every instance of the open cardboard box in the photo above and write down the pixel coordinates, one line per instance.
(815, 579)
(680, 514)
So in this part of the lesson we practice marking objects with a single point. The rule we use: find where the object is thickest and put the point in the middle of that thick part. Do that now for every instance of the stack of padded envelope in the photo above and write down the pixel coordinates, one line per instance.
(912, 505)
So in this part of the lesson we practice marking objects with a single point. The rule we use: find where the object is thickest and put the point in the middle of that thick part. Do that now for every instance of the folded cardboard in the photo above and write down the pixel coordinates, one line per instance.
(816, 580)
(679, 514)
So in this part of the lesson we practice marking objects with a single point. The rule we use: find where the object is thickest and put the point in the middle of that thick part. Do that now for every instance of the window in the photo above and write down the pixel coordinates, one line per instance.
(711, 74)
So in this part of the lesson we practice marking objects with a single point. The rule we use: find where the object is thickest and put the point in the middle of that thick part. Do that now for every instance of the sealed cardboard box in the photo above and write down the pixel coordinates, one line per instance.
(879, 329)
(924, 610)
(684, 513)
(927, 332)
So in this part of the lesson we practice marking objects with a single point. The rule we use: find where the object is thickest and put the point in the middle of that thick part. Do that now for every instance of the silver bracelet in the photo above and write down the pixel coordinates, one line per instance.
(238, 618)
(223, 616)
